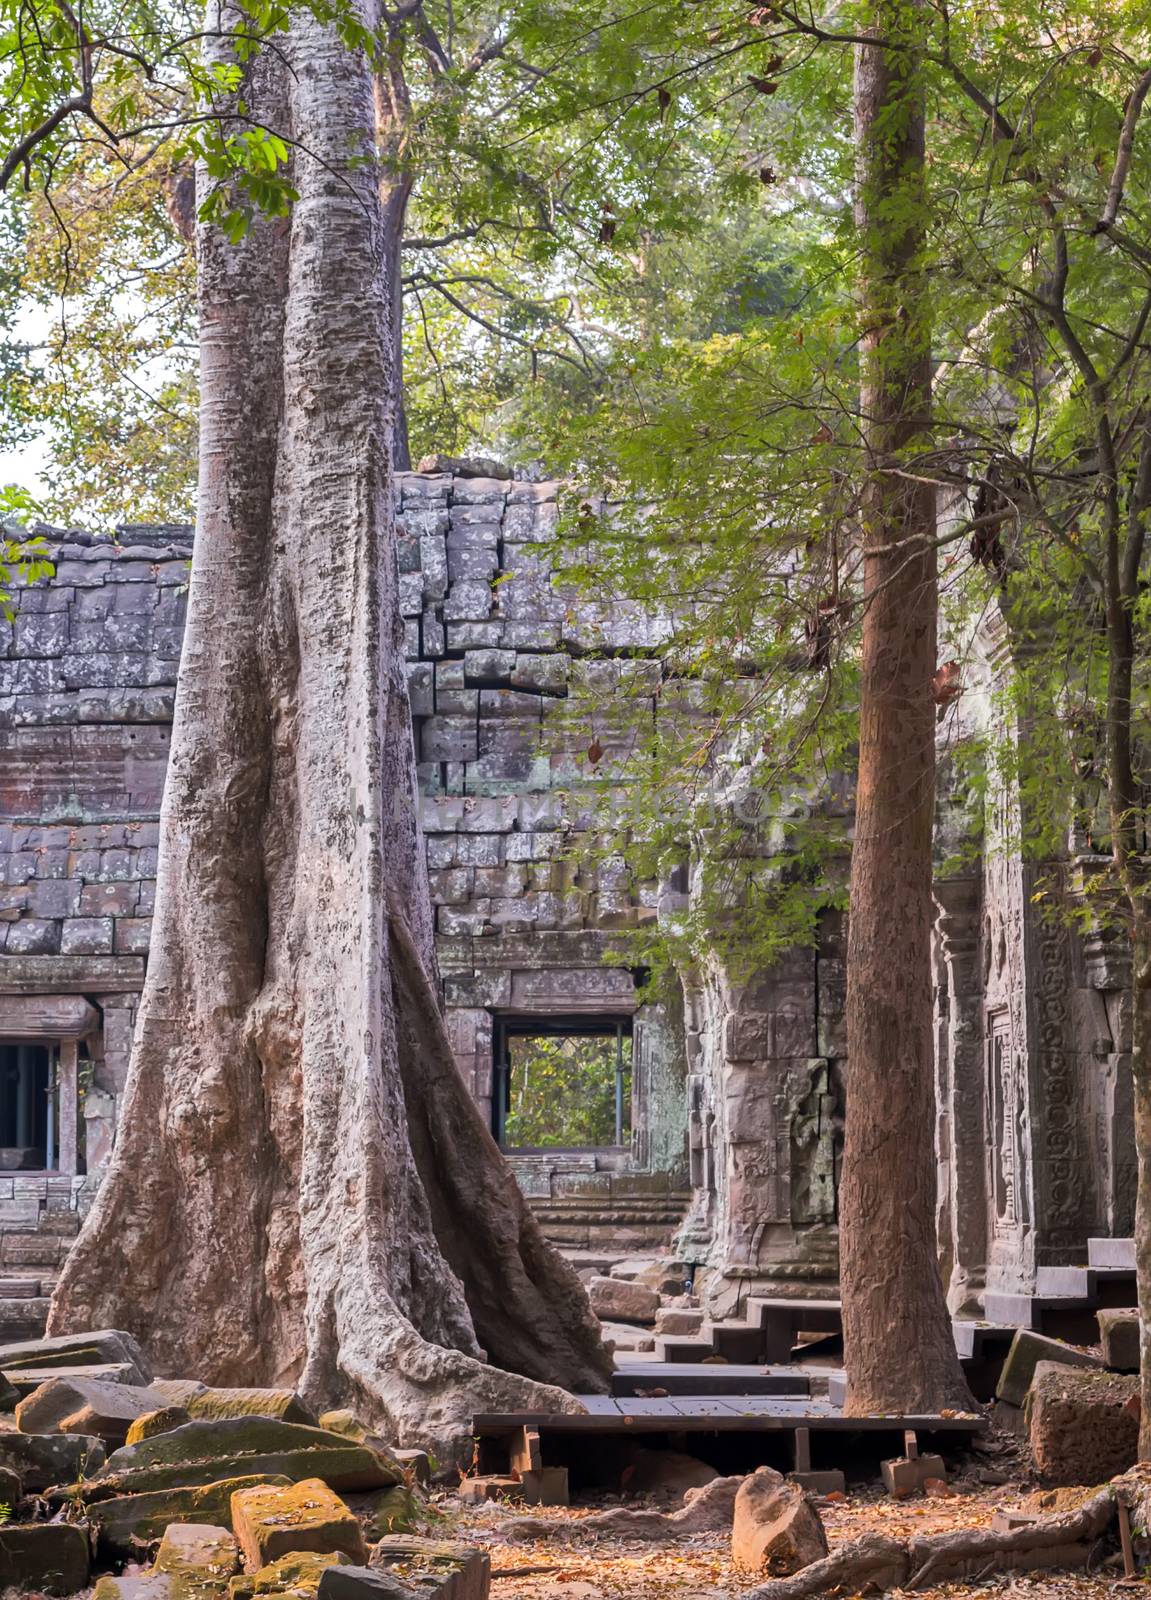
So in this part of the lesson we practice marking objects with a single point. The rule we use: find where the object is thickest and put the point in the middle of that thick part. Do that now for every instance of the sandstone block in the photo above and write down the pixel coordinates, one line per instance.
(151, 1423)
(205, 1452)
(271, 1521)
(204, 1404)
(1081, 1423)
(134, 1586)
(436, 1567)
(396, 1510)
(199, 1557)
(1119, 1337)
(84, 1405)
(103, 1347)
(52, 1557)
(776, 1529)
(42, 1459)
(124, 1522)
(1027, 1351)
(365, 1583)
(297, 1574)
(623, 1302)
(678, 1319)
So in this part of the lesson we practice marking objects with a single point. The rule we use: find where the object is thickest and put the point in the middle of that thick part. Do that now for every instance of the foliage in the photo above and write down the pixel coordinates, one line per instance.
(21, 556)
(562, 1090)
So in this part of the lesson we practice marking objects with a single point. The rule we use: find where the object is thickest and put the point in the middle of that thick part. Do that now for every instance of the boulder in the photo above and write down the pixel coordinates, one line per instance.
(665, 1474)
(40, 1460)
(1027, 1351)
(204, 1452)
(776, 1530)
(125, 1522)
(1119, 1339)
(204, 1404)
(297, 1574)
(151, 1423)
(271, 1521)
(1083, 1424)
(199, 1558)
(435, 1567)
(82, 1405)
(52, 1557)
(397, 1510)
(106, 1346)
(618, 1301)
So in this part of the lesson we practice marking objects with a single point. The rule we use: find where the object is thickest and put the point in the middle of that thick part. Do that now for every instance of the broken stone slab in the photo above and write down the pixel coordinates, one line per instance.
(150, 1423)
(297, 1574)
(272, 1521)
(617, 1300)
(416, 1462)
(26, 1379)
(1027, 1351)
(199, 1558)
(82, 1405)
(133, 1586)
(203, 1452)
(125, 1522)
(365, 1583)
(678, 1320)
(52, 1557)
(41, 1460)
(400, 1509)
(1083, 1423)
(104, 1347)
(907, 1475)
(626, 1337)
(433, 1567)
(205, 1404)
(1119, 1339)
(775, 1530)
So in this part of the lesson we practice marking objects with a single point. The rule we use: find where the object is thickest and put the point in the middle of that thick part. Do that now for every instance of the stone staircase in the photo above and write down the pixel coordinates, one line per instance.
(612, 1226)
(1066, 1298)
(30, 1262)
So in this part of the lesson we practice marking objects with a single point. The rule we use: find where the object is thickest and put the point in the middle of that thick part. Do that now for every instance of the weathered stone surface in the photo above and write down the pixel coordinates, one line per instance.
(619, 1301)
(1027, 1351)
(203, 1452)
(149, 1423)
(678, 1319)
(435, 1567)
(199, 1557)
(133, 1586)
(9, 1394)
(1119, 1339)
(84, 1405)
(124, 1522)
(397, 1510)
(106, 1346)
(776, 1530)
(1083, 1426)
(270, 1522)
(366, 1583)
(204, 1404)
(41, 1460)
(50, 1556)
(297, 1574)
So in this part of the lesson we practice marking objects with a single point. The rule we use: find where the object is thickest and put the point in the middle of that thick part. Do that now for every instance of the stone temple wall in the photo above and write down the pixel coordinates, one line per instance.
(739, 1086)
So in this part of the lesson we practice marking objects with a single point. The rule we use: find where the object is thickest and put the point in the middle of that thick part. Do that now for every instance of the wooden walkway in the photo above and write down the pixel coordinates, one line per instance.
(715, 1413)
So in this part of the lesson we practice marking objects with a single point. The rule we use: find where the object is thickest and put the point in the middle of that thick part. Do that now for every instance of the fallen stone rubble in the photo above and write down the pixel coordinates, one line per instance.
(157, 1489)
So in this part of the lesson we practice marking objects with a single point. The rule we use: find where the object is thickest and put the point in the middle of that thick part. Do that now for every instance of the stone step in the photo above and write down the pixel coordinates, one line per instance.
(33, 1250)
(19, 1288)
(633, 1377)
(980, 1340)
(24, 1318)
(1103, 1253)
(1080, 1283)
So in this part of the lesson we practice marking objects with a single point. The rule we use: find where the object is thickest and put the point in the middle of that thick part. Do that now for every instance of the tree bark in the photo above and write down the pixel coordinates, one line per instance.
(899, 1349)
(302, 1188)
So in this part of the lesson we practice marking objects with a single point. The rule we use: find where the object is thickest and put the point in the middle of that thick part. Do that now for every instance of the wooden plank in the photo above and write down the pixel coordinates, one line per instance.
(755, 1414)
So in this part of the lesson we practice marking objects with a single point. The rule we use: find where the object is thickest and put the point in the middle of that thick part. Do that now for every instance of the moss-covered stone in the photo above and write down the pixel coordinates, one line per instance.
(42, 1459)
(345, 1423)
(151, 1423)
(124, 1522)
(1028, 1349)
(298, 1573)
(397, 1510)
(270, 1522)
(199, 1558)
(50, 1556)
(205, 1404)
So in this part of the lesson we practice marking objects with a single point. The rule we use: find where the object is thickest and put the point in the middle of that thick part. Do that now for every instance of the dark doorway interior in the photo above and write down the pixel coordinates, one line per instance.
(562, 1082)
(26, 1108)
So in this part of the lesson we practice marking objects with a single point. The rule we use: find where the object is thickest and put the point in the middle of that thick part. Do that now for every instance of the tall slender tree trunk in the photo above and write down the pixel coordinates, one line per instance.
(302, 1188)
(898, 1344)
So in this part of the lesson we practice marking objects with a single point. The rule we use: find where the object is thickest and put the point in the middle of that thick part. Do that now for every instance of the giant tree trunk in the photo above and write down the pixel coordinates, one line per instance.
(898, 1345)
(302, 1189)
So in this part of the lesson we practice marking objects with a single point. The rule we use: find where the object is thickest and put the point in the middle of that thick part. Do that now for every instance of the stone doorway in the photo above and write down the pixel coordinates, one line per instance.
(563, 1083)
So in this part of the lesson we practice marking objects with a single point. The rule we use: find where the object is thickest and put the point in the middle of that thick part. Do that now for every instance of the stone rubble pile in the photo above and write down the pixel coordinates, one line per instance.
(162, 1489)
(638, 1299)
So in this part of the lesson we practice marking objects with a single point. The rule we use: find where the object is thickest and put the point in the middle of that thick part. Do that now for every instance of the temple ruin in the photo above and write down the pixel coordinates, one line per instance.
(714, 1114)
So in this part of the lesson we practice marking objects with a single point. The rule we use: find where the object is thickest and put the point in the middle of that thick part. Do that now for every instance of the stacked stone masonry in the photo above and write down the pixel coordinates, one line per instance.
(738, 1086)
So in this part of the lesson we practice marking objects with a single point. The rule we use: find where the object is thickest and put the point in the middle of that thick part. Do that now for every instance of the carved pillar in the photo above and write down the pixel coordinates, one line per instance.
(963, 1125)
(68, 1100)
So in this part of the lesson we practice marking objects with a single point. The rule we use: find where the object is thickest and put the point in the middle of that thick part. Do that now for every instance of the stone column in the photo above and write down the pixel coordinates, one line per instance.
(963, 1125)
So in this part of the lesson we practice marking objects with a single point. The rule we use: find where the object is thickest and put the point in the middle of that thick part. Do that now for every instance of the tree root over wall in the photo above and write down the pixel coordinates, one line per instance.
(877, 1562)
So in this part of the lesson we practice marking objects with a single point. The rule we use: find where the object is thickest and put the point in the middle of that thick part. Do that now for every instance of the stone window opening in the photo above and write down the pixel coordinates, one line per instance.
(563, 1083)
(39, 1087)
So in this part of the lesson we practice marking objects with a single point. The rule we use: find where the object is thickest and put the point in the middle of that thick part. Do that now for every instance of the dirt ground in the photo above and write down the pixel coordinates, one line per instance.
(568, 1567)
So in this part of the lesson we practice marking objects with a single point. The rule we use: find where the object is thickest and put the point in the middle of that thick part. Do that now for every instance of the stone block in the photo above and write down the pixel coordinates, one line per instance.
(1028, 1349)
(489, 666)
(33, 936)
(1119, 1339)
(271, 1521)
(296, 1575)
(439, 1569)
(1083, 1424)
(475, 635)
(86, 1406)
(546, 674)
(131, 936)
(776, 1530)
(618, 1301)
(163, 1420)
(86, 936)
(468, 601)
(41, 1460)
(907, 1475)
(124, 1522)
(449, 739)
(420, 688)
(52, 1557)
(346, 1582)
(200, 1557)
(471, 563)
